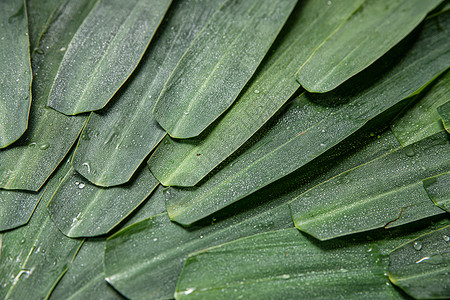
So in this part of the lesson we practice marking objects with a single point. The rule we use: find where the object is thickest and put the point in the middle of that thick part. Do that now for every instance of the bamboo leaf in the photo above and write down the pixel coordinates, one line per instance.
(420, 64)
(104, 52)
(40, 12)
(81, 209)
(385, 192)
(15, 77)
(85, 278)
(423, 120)
(185, 163)
(116, 141)
(34, 257)
(218, 64)
(284, 264)
(444, 113)
(438, 188)
(370, 32)
(16, 207)
(421, 267)
(32, 160)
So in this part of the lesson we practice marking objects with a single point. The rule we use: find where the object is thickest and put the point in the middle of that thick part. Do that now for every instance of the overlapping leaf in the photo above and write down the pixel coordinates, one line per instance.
(185, 163)
(34, 257)
(15, 77)
(81, 209)
(423, 119)
(444, 113)
(385, 192)
(217, 65)
(116, 141)
(438, 188)
(285, 264)
(104, 52)
(50, 135)
(370, 32)
(421, 267)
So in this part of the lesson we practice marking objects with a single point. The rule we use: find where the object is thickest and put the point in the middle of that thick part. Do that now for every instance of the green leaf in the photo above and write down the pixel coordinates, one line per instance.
(438, 188)
(370, 32)
(104, 52)
(144, 260)
(116, 141)
(421, 267)
(444, 113)
(34, 257)
(85, 278)
(262, 211)
(422, 119)
(218, 64)
(50, 134)
(423, 62)
(81, 209)
(385, 192)
(284, 264)
(40, 12)
(16, 207)
(15, 77)
(185, 163)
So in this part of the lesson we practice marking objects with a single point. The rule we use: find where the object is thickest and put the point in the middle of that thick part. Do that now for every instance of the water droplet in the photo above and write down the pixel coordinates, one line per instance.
(62, 49)
(44, 146)
(87, 166)
(409, 151)
(32, 145)
(323, 145)
(323, 130)
(22, 241)
(387, 283)
(201, 236)
(285, 276)
(446, 238)
(256, 91)
(417, 246)
(369, 250)
(155, 239)
(329, 3)
(81, 185)
(186, 112)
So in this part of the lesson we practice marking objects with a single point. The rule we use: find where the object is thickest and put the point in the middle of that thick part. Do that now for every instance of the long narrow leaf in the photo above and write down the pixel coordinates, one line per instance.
(427, 58)
(385, 192)
(217, 65)
(81, 209)
(185, 163)
(423, 119)
(104, 52)
(40, 13)
(438, 188)
(15, 75)
(421, 267)
(116, 141)
(85, 278)
(285, 264)
(32, 160)
(34, 257)
(444, 113)
(370, 32)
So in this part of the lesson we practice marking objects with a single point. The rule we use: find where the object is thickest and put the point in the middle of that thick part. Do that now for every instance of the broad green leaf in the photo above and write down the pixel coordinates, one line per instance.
(116, 141)
(185, 163)
(262, 211)
(218, 64)
(104, 52)
(81, 209)
(438, 188)
(426, 58)
(444, 113)
(50, 134)
(40, 12)
(15, 75)
(85, 278)
(371, 31)
(385, 192)
(422, 119)
(34, 257)
(285, 264)
(421, 267)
